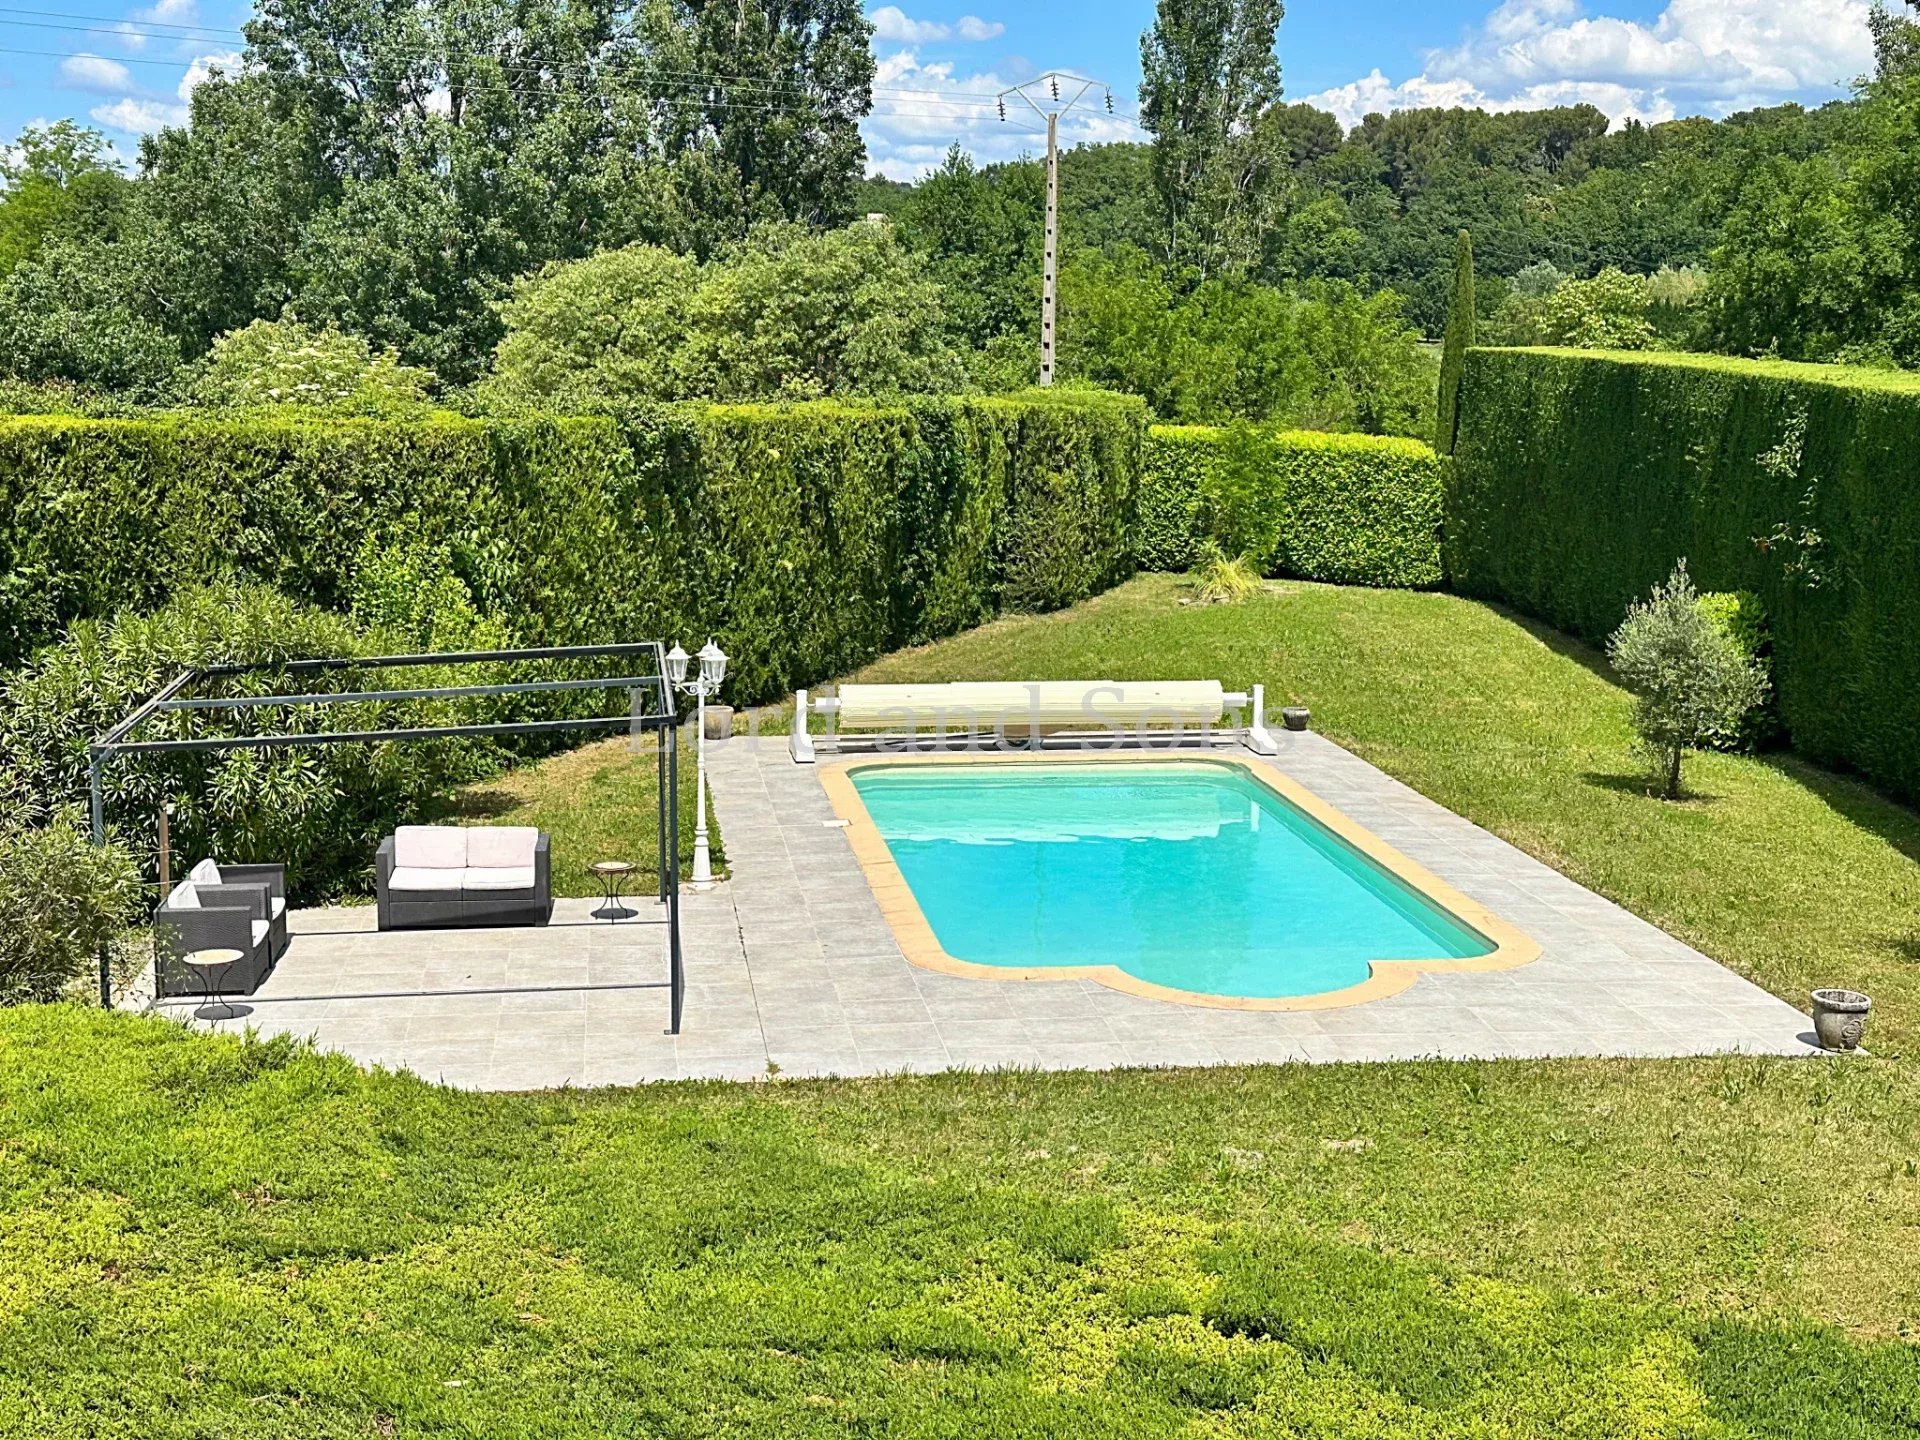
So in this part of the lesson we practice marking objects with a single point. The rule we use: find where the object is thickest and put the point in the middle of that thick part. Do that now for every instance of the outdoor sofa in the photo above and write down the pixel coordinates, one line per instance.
(221, 907)
(438, 876)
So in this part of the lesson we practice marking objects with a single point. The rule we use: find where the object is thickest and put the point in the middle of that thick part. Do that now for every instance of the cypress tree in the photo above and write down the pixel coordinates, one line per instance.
(1459, 339)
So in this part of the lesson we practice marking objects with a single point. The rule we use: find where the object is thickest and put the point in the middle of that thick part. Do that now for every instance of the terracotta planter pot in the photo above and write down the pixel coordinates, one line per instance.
(1839, 1018)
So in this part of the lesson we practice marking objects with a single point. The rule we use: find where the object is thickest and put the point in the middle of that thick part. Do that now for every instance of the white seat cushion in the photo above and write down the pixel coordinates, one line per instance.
(183, 897)
(501, 847)
(423, 877)
(279, 907)
(205, 873)
(497, 877)
(259, 931)
(430, 847)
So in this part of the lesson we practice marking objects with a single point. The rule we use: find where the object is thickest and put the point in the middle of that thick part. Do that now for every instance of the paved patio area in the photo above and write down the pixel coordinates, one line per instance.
(792, 971)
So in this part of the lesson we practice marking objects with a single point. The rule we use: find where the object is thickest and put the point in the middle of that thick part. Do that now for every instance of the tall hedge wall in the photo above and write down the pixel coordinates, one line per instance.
(1581, 477)
(808, 538)
(1348, 509)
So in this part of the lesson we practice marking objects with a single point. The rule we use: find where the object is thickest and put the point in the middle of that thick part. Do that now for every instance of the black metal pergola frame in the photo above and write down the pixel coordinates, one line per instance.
(659, 716)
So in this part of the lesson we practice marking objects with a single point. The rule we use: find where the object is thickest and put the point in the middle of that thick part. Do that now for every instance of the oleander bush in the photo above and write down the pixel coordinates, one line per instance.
(320, 810)
(1347, 509)
(807, 538)
(1582, 476)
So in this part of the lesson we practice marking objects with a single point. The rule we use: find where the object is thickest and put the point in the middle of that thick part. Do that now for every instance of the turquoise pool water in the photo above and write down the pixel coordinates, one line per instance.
(1186, 874)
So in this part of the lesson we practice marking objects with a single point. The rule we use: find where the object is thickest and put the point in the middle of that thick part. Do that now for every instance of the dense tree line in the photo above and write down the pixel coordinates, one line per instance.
(415, 185)
(390, 169)
(1781, 230)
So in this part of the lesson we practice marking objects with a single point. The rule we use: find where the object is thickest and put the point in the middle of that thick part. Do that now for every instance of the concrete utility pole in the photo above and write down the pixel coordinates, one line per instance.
(1049, 87)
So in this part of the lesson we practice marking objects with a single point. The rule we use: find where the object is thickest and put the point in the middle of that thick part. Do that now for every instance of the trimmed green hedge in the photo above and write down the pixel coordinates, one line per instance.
(1348, 509)
(1582, 476)
(808, 538)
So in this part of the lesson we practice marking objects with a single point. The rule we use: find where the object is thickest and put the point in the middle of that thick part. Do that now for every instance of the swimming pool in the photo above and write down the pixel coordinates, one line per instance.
(1195, 879)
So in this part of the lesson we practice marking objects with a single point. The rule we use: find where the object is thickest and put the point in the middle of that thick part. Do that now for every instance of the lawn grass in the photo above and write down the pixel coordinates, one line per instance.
(598, 803)
(1792, 875)
(202, 1237)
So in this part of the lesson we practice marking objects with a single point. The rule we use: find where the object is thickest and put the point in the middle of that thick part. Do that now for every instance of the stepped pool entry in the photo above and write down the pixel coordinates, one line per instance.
(1207, 880)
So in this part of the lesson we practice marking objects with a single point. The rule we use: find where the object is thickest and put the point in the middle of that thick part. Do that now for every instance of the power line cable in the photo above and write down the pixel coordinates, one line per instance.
(445, 58)
(883, 110)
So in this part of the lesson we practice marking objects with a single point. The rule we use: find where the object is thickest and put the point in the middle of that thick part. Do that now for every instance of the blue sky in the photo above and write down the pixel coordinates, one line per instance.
(128, 68)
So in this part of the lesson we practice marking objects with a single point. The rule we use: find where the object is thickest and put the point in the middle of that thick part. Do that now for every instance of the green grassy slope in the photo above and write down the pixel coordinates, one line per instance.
(203, 1238)
(599, 802)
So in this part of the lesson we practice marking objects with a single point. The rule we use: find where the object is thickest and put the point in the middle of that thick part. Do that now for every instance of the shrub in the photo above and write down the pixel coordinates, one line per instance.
(321, 810)
(1608, 312)
(282, 362)
(807, 538)
(1218, 580)
(66, 314)
(1348, 509)
(1743, 616)
(1582, 476)
(1324, 355)
(63, 901)
(1694, 684)
(582, 332)
(789, 313)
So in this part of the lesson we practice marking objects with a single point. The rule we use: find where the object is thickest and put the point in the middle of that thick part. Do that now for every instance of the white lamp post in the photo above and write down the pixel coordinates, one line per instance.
(713, 669)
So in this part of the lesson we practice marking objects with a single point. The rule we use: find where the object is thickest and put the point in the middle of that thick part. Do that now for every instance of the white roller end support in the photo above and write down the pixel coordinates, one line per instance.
(799, 742)
(1259, 739)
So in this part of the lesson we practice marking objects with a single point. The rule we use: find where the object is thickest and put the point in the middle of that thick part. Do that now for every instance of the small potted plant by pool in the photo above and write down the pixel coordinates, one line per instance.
(1839, 1016)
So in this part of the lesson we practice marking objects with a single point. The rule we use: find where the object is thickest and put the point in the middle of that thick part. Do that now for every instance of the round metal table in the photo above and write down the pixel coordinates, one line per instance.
(205, 962)
(612, 875)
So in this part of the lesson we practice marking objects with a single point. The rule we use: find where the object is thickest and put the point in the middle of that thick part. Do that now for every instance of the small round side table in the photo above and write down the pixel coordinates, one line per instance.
(206, 962)
(612, 875)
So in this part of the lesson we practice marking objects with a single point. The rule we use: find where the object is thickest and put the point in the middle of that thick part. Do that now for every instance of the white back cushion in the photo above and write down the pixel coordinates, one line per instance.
(184, 897)
(430, 847)
(501, 847)
(205, 873)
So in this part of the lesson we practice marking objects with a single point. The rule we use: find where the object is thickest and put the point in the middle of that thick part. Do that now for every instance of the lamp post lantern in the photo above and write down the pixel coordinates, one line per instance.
(713, 669)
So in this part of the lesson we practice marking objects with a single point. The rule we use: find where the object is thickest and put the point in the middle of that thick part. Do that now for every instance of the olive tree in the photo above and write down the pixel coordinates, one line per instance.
(63, 900)
(1693, 681)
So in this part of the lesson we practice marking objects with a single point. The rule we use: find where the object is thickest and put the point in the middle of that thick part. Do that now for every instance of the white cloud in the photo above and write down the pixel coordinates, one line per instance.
(171, 12)
(1375, 94)
(137, 117)
(891, 23)
(1697, 56)
(131, 37)
(200, 70)
(96, 72)
(920, 113)
(142, 114)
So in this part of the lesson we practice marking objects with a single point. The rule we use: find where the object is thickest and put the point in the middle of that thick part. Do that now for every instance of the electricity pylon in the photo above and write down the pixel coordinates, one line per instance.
(1049, 87)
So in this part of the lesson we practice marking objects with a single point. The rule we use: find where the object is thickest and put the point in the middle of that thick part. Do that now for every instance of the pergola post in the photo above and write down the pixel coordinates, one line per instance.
(670, 867)
(97, 810)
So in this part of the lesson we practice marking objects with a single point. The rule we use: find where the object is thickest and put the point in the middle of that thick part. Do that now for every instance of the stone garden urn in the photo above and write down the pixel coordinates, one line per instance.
(1839, 1016)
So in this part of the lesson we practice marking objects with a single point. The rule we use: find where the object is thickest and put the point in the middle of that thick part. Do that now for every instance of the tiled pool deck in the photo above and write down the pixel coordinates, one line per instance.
(792, 971)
